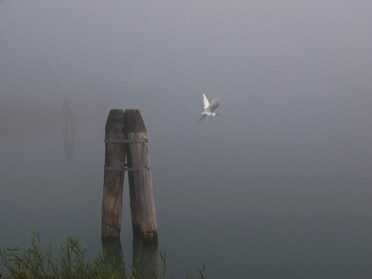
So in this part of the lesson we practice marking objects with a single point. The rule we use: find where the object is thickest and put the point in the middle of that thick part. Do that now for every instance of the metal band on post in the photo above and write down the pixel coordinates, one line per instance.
(127, 141)
(138, 168)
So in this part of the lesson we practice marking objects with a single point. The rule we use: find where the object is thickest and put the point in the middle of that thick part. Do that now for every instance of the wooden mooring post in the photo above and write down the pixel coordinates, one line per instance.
(126, 138)
(114, 176)
(142, 203)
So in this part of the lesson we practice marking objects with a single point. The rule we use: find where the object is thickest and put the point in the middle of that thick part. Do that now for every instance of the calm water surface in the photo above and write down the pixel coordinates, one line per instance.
(241, 218)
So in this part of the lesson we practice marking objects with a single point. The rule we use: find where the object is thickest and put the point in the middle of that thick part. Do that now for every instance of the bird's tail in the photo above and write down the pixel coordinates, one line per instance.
(201, 119)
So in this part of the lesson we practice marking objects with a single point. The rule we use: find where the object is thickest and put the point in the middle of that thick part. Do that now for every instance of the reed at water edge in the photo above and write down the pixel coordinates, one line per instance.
(35, 262)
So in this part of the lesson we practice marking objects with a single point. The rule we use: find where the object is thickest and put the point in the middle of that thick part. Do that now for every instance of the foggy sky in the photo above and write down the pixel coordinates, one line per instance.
(289, 73)
(277, 51)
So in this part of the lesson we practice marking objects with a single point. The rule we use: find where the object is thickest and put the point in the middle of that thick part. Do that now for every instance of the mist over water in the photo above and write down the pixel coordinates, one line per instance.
(277, 186)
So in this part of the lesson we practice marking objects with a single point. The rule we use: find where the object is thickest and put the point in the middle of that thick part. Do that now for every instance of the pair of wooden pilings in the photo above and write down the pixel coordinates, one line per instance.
(127, 150)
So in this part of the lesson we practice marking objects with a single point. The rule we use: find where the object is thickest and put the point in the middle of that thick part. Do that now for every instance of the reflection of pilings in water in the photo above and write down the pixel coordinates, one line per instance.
(112, 251)
(145, 256)
(68, 130)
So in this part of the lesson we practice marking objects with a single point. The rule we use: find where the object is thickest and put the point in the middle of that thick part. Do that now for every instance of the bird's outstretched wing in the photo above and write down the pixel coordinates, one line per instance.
(213, 105)
(205, 101)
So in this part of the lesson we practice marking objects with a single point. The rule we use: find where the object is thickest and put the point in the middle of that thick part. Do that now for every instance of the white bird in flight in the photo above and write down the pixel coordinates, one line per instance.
(209, 108)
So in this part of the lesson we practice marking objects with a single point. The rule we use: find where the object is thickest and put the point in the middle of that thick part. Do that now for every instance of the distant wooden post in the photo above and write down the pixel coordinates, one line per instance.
(114, 176)
(68, 130)
(142, 203)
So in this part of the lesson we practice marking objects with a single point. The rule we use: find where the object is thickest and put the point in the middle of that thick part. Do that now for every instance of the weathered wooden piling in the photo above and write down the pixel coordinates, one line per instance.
(113, 176)
(142, 203)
